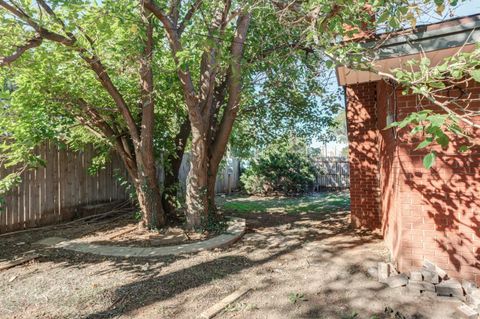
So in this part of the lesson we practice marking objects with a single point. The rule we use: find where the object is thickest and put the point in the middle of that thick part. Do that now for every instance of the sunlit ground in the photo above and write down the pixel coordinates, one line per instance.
(322, 202)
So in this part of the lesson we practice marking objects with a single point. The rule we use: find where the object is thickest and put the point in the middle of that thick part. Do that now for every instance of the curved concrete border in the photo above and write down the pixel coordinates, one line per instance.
(234, 232)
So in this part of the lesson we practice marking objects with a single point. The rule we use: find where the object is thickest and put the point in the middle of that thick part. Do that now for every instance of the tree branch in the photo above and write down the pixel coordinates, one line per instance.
(234, 90)
(176, 47)
(175, 6)
(188, 16)
(147, 87)
(208, 66)
(95, 120)
(265, 53)
(442, 105)
(32, 43)
(92, 60)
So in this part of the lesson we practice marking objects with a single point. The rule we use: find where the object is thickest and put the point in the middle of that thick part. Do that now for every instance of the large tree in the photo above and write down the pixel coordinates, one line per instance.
(200, 50)
(143, 76)
(223, 50)
(101, 67)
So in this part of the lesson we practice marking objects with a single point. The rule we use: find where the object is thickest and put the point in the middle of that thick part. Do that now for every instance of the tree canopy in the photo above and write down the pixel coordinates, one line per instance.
(143, 78)
(340, 29)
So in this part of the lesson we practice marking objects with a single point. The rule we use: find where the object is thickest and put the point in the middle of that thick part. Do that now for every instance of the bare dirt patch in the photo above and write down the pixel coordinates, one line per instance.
(305, 265)
(126, 232)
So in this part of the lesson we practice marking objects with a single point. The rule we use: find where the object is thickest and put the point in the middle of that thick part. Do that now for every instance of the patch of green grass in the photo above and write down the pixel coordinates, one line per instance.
(353, 315)
(315, 203)
(295, 297)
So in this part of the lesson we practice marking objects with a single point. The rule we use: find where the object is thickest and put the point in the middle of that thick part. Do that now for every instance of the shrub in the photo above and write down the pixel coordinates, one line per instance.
(281, 169)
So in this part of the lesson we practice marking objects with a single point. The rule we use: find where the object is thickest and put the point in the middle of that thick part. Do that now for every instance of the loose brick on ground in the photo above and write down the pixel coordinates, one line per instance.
(373, 272)
(433, 267)
(420, 286)
(392, 270)
(416, 276)
(464, 311)
(397, 281)
(427, 264)
(451, 288)
(430, 276)
(468, 286)
(383, 272)
(473, 298)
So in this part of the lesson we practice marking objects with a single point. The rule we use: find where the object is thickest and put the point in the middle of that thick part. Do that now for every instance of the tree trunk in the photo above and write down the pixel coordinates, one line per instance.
(143, 174)
(196, 195)
(150, 202)
(222, 134)
(171, 176)
(148, 189)
(212, 179)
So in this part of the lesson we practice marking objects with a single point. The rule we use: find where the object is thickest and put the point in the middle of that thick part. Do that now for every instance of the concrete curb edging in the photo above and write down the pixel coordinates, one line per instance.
(234, 232)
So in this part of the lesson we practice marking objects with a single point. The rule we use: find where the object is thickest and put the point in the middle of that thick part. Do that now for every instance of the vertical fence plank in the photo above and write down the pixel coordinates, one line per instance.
(63, 178)
(56, 182)
(82, 170)
(34, 213)
(3, 213)
(49, 205)
(335, 172)
(25, 200)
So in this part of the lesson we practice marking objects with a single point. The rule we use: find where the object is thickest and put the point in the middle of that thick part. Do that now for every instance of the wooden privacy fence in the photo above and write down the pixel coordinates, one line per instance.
(334, 172)
(228, 177)
(58, 191)
(53, 193)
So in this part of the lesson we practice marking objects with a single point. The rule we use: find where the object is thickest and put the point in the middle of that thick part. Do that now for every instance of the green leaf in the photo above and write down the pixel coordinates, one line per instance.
(424, 143)
(425, 61)
(475, 75)
(429, 160)
(389, 126)
(463, 148)
(437, 120)
(443, 67)
(383, 17)
(455, 128)
(457, 74)
(443, 140)
(416, 129)
(440, 9)
(438, 85)
(403, 10)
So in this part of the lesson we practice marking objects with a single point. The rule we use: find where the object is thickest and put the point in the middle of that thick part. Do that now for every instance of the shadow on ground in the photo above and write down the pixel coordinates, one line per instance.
(306, 265)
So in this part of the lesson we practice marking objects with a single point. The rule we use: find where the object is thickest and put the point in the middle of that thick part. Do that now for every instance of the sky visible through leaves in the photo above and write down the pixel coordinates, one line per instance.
(465, 8)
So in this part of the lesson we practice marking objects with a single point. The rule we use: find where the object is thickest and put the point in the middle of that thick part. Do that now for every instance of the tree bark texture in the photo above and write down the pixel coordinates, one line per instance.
(208, 101)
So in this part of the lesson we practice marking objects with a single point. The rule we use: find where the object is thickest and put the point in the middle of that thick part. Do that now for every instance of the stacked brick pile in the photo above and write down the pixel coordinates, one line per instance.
(431, 279)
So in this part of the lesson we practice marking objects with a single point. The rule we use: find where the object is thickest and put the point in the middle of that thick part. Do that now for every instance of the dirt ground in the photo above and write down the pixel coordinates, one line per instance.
(305, 265)
(125, 232)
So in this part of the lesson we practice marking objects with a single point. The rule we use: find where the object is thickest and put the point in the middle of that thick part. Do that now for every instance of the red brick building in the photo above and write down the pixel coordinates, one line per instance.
(422, 213)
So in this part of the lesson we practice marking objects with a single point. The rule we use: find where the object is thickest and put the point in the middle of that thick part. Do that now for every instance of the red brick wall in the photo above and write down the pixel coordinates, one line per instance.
(423, 214)
(389, 173)
(439, 208)
(363, 155)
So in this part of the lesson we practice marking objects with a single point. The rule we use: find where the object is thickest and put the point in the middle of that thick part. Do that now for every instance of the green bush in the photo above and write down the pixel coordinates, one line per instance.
(282, 169)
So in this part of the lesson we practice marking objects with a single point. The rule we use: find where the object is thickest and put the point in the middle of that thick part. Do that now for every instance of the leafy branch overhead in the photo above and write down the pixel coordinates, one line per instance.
(444, 107)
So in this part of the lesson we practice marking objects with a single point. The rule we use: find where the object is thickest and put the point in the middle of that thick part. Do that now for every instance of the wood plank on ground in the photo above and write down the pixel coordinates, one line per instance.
(123, 232)
(17, 262)
(215, 309)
